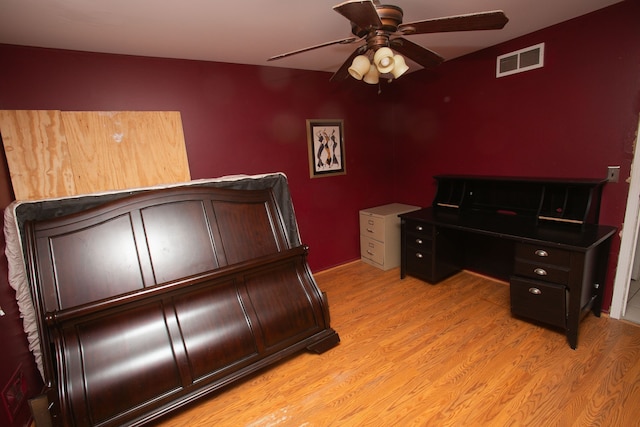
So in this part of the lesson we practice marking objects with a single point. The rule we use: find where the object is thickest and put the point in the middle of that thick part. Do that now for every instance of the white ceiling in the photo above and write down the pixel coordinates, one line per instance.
(250, 31)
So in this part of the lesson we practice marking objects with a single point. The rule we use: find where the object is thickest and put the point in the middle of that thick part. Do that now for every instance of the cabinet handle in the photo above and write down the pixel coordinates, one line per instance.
(535, 291)
(370, 230)
(418, 255)
(540, 271)
(369, 252)
(419, 241)
(541, 252)
(419, 227)
(370, 222)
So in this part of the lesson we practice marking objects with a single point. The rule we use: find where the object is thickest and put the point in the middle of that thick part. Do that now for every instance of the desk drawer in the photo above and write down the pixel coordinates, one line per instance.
(420, 263)
(540, 271)
(543, 302)
(420, 243)
(543, 254)
(372, 250)
(419, 229)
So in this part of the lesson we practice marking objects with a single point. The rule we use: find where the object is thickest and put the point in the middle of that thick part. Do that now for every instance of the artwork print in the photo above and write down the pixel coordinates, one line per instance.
(326, 148)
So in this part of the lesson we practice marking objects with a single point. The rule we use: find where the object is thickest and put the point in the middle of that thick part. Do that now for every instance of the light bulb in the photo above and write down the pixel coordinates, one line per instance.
(383, 58)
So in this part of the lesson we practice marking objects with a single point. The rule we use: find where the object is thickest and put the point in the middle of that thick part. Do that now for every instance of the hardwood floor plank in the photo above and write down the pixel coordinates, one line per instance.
(412, 353)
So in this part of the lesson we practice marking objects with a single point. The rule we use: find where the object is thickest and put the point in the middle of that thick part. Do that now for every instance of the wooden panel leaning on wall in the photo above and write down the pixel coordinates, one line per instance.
(37, 155)
(54, 153)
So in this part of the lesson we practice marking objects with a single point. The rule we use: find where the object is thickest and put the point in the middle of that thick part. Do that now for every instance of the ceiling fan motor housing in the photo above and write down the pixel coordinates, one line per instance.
(390, 16)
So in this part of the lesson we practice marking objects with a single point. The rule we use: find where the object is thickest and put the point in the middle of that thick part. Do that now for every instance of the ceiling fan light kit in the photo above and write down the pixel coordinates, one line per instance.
(384, 62)
(380, 27)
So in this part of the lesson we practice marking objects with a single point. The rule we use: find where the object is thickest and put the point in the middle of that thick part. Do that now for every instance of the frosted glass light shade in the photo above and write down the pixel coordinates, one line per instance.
(399, 66)
(383, 58)
(359, 67)
(372, 77)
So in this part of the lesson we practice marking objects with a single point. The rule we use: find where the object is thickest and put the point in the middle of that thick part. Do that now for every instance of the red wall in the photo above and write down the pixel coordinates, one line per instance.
(572, 118)
(237, 120)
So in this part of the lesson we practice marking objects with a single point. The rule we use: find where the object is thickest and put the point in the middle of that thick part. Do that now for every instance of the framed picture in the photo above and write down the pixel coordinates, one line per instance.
(326, 148)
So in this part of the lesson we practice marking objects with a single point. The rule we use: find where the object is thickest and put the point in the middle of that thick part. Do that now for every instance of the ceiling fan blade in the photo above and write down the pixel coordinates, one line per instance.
(343, 71)
(493, 20)
(361, 13)
(416, 53)
(294, 52)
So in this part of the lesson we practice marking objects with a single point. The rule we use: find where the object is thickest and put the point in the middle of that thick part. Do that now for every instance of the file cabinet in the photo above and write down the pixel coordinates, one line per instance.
(380, 234)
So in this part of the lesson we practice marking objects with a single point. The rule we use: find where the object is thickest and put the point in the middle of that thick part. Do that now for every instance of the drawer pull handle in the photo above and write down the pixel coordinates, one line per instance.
(419, 227)
(419, 241)
(370, 230)
(540, 271)
(369, 252)
(535, 291)
(418, 255)
(541, 252)
(370, 222)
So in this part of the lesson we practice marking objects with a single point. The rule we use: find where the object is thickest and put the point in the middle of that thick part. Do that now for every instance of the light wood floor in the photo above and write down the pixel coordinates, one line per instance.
(414, 354)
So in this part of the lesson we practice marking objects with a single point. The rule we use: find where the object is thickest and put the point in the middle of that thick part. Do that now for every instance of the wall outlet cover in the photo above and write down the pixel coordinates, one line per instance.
(613, 173)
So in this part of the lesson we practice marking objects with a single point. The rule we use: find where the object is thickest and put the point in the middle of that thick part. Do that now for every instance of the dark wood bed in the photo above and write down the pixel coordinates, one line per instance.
(153, 300)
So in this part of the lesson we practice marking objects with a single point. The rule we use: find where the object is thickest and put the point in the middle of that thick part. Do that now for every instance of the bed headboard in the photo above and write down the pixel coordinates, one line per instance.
(161, 296)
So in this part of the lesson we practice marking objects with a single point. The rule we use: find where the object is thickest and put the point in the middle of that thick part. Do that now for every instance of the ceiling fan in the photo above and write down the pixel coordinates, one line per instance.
(380, 27)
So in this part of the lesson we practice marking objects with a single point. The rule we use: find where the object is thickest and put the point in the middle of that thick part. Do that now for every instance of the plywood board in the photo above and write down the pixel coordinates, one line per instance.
(37, 154)
(60, 154)
(125, 149)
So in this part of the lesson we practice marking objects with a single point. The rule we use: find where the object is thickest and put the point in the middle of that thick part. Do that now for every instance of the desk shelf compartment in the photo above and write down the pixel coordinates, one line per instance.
(450, 194)
(570, 204)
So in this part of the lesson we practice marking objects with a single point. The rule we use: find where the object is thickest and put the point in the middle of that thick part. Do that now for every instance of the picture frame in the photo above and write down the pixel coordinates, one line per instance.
(325, 141)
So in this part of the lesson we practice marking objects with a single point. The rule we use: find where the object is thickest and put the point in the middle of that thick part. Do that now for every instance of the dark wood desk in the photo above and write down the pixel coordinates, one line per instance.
(557, 270)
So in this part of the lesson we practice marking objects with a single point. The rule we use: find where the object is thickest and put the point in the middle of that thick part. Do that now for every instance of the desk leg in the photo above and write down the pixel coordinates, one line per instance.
(578, 287)
(602, 264)
(572, 337)
(403, 250)
(574, 314)
(586, 290)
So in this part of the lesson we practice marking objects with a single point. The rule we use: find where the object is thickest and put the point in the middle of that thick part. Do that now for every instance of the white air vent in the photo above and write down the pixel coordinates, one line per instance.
(521, 60)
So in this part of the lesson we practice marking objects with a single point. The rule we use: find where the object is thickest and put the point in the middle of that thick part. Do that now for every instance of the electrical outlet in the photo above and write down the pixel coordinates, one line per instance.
(613, 173)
